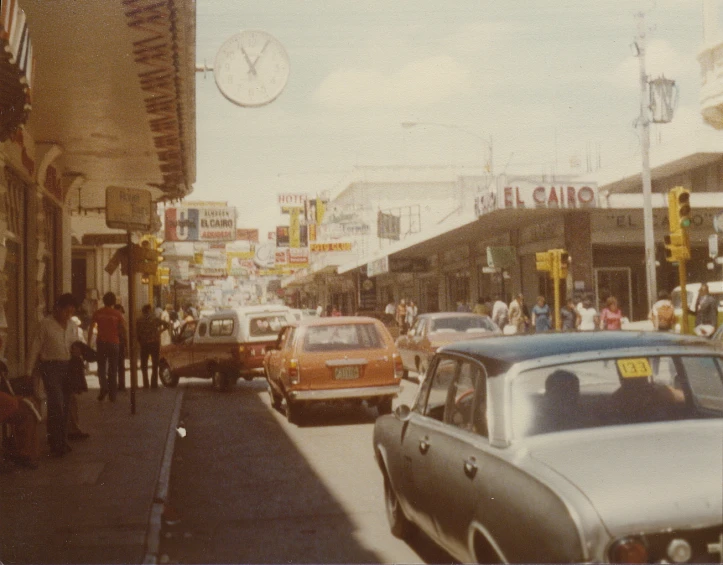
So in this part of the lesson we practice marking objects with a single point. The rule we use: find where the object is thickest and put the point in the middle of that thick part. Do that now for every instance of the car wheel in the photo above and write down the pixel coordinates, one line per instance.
(294, 412)
(399, 524)
(276, 399)
(166, 376)
(384, 406)
(221, 381)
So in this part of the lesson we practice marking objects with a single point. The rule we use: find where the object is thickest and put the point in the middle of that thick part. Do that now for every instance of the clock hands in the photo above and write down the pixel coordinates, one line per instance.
(252, 67)
(260, 53)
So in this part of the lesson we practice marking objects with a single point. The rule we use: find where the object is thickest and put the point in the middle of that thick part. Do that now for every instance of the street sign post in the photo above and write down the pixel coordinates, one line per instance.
(130, 209)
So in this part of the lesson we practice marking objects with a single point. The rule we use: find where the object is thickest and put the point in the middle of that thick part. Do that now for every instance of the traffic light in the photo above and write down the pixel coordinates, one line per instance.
(562, 258)
(677, 247)
(145, 259)
(678, 208)
(544, 261)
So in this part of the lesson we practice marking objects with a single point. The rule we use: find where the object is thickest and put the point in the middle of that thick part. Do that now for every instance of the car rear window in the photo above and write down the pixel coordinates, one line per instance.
(267, 324)
(342, 337)
(221, 328)
(462, 324)
(618, 391)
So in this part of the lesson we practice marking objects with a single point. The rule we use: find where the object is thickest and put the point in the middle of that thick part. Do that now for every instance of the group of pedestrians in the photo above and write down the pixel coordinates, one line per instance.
(58, 357)
(404, 313)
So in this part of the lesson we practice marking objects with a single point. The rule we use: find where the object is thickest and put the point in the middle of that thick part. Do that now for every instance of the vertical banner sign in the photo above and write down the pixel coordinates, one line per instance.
(294, 228)
(320, 210)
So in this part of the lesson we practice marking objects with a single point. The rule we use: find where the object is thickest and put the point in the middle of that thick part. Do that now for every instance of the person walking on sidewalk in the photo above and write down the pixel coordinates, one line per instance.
(110, 323)
(50, 355)
(148, 330)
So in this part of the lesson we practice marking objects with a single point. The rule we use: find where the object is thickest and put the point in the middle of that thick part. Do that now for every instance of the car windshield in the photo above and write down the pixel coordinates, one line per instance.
(267, 324)
(342, 337)
(462, 324)
(616, 391)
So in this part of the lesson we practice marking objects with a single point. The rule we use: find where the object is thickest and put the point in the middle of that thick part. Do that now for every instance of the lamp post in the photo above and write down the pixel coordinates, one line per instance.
(656, 96)
(486, 141)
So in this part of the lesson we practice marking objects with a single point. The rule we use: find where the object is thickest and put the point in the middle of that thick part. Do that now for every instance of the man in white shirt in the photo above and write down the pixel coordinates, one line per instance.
(500, 313)
(391, 308)
(50, 355)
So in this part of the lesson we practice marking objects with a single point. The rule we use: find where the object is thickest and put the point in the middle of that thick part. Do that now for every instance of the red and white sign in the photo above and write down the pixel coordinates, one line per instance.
(529, 195)
(298, 256)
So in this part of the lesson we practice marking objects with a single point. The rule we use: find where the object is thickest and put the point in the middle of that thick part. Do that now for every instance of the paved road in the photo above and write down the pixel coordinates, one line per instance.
(248, 487)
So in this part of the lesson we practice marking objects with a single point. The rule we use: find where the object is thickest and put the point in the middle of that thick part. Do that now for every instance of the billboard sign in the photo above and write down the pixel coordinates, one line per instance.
(200, 224)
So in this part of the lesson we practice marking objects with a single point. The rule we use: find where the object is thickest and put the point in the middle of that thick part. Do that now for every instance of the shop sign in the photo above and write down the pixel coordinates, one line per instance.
(501, 257)
(289, 201)
(532, 195)
(367, 293)
(331, 246)
(281, 257)
(128, 208)
(247, 234)
(210, 223)
(299, 257)
(378, 266)
(264, 255)
(408, 265)
(633, 219)
(388, 226)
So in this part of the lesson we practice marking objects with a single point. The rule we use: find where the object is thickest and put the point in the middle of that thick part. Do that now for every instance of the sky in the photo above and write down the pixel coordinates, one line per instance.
(551, 86)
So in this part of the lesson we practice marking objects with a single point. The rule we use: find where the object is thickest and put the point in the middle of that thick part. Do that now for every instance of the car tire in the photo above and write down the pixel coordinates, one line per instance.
(167, 377)
(276, 399)
(399, 524)
(221, 381)
(384, 406)
(294, 412)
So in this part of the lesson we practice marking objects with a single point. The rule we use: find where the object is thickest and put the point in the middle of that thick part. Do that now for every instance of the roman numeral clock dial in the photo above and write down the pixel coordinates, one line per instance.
(251, 68)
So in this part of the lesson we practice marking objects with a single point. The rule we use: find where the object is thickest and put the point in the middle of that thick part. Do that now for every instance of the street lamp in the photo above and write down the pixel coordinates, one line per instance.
(487, 142)
(657, 97)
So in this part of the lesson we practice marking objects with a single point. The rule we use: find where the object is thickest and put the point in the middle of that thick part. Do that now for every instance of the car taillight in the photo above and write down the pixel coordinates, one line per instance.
(398, 365)
(629, 550)
(294, 371)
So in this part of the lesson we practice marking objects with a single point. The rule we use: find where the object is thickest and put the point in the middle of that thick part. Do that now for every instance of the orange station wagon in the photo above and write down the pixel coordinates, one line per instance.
(333, 359)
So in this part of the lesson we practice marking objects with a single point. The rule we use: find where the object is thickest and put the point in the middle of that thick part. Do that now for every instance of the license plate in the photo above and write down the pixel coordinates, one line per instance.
(346, 373)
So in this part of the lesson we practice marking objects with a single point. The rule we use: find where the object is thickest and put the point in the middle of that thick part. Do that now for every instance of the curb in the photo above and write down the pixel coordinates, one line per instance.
(153, 532)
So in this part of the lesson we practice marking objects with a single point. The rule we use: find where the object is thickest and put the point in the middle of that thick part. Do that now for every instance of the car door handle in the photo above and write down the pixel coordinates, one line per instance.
(424, 445)
(470, 467)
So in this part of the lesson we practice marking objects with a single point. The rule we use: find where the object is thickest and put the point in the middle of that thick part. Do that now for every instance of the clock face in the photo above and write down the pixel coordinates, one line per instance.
(251, 68)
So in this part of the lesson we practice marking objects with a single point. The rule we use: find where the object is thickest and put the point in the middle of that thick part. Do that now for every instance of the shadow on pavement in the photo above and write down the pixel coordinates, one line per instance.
(245, 494)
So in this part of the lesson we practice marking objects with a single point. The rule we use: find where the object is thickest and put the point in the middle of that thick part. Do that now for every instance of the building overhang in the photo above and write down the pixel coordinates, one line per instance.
(114, 88)
(16, 68)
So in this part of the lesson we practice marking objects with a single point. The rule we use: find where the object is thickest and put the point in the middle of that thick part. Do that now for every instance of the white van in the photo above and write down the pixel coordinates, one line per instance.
(693, 289)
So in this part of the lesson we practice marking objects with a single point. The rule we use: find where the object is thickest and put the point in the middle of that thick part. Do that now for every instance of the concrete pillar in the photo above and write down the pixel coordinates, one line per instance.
(578, 243)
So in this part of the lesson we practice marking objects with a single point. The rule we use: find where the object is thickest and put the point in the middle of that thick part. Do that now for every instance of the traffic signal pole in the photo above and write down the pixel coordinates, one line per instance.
(132, 321)
(682, 274)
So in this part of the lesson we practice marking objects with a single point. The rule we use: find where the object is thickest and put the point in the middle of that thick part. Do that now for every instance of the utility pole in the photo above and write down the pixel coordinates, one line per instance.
(644, 126)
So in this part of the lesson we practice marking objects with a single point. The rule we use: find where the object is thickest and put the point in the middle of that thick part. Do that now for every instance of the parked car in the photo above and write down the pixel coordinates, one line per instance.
(333, 359)
(431, 331)
(223, 346)
(565, 448)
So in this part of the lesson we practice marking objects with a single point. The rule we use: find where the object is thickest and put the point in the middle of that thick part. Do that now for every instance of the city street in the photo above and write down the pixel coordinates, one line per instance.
(248, 487)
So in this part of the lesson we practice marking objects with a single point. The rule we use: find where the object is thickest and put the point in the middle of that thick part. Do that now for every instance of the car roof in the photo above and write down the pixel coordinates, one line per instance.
(336, 320)
(255, 309)
(513, 349)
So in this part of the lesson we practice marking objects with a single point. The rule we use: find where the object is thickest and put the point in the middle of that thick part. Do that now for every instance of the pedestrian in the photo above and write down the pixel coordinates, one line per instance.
(167, 316)
(110, 323)
(148, 332)
(662, 314)
(516, 313)
(410, 315)
(49, 358)
(589, 319)
(335, 311)
(569, 316)
(611, 317)
(401, 314)
(319, 310)
(541, 316)
(500, 313)
(706, 312)
(123, 350)
(80, 355)
(390, 308)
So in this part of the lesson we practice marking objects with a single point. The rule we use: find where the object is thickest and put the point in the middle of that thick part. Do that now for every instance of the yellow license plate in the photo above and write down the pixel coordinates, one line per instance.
(634, 368)
(346, 373)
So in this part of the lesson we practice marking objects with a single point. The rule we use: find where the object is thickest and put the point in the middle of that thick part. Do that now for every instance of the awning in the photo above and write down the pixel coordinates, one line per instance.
(16, 68)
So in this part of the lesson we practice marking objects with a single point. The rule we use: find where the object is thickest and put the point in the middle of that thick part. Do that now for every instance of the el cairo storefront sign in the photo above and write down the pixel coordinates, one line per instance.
(529, 195)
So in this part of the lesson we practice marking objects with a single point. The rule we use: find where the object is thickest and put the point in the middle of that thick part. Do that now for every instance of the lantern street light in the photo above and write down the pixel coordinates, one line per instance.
(487, 141)
(657, 97)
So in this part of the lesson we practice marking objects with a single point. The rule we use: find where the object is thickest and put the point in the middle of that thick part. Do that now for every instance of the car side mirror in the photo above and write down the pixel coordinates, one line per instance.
(403, 413)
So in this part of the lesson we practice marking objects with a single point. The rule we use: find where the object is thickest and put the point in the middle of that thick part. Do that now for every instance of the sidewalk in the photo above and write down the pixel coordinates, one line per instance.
(96, 504)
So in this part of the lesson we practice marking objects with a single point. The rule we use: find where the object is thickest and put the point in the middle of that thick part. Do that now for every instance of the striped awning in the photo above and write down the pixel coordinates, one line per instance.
(16, 68)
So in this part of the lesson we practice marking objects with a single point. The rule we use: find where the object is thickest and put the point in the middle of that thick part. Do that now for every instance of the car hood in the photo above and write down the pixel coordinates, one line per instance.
(645, 477)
